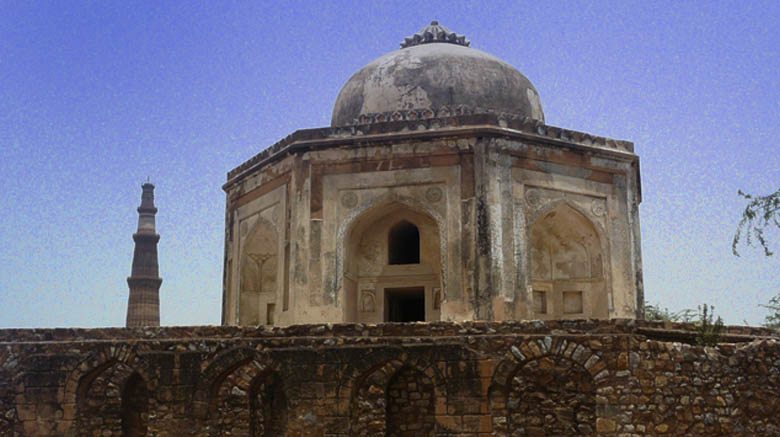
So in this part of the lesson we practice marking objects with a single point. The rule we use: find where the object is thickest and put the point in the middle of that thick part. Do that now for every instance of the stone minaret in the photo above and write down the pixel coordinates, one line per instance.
(143, 305)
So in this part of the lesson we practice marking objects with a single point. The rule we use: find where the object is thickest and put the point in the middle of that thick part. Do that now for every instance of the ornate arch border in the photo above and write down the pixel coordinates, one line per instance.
(534, 216)
(384, 200)
(525, 351)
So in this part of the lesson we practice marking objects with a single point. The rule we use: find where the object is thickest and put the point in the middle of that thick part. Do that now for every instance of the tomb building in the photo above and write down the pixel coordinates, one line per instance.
(437, 193)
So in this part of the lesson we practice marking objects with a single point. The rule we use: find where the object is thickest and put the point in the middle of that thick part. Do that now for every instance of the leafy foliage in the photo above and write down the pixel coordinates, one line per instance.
(708, 328)
(760, 214)
(655, 313)
(773, 319)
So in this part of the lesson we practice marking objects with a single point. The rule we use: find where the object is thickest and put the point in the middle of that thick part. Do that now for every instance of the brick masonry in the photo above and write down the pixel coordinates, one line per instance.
(562, 378)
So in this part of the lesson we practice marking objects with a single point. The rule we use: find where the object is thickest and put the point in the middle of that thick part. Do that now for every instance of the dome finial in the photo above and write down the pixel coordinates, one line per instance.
(435, 32)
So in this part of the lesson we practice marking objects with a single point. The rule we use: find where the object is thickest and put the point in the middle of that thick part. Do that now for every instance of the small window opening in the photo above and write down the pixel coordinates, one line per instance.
(403, 244)
(405, 304)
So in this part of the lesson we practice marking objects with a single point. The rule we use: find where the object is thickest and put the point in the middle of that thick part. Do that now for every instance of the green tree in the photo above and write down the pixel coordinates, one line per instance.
(773, 319)
(760, 214)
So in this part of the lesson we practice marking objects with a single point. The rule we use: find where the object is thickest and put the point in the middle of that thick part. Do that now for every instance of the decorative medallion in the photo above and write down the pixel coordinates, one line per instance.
(367, 301)
(598, 208)
(533, 197)
(433, 194)
(349, 199)
(435, 32)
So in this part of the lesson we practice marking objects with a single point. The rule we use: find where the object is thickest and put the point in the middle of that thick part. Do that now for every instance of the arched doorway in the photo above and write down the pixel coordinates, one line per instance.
(392, 266)
(567, 266)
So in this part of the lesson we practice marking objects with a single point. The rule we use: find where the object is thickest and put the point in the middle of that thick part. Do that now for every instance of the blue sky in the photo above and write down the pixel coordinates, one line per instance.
(97, 96)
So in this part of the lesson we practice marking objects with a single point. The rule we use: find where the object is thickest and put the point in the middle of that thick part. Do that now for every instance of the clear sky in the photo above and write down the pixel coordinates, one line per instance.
(97, 96)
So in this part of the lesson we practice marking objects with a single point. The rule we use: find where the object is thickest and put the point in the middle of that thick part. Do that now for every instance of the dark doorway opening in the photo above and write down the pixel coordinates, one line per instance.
(403, 244)
(405, 304)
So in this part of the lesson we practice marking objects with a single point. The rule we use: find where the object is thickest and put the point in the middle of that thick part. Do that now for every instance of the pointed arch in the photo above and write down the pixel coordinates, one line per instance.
(380, 399)
(546, 386)
(568, 268)
(121, 362)
(378, 204)
(112, 395)
(244, 394)
(372, 281)
(258, 271)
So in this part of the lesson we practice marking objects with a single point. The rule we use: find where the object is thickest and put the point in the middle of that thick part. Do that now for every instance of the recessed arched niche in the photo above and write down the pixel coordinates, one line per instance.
(392, 266)
(259, 258)
(567, 266)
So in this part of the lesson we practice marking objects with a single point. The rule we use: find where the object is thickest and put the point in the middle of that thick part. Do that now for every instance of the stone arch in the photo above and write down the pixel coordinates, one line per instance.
(258, 274)
(376, 204)
(243, 395)
(568, 373)
(568, 263)
(97, 362)
(382, 402)
(110, 391)
(363, 265)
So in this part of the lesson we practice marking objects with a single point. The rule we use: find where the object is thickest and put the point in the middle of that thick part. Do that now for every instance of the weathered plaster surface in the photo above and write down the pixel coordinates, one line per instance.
(481, 187)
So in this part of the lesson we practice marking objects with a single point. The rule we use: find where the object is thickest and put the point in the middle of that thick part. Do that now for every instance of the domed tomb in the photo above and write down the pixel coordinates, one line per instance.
(435, 71)
(438, 193)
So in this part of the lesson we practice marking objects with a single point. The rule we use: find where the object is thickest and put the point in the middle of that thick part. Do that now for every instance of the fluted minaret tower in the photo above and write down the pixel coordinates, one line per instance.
(143, 305)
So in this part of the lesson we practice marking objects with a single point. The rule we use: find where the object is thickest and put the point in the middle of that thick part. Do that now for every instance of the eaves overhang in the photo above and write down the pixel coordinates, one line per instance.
(457, 126)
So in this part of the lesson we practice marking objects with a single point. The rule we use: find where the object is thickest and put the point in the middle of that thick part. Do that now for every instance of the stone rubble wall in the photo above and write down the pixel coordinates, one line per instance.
(615, 378)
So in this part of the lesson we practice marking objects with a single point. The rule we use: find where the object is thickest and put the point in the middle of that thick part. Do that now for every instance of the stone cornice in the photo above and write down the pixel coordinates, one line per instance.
(432, 127)
(665, 331)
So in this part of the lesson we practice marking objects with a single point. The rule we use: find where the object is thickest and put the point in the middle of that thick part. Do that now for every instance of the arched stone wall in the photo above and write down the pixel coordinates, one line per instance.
(245, 396)
(97, 397)
(410, 404)
(259, 271)
(394, 399)
(546, 387)
(569, 267)
(365, 391)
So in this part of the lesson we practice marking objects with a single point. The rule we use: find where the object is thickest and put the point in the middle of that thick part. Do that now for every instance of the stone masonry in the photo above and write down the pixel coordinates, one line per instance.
(537, 378)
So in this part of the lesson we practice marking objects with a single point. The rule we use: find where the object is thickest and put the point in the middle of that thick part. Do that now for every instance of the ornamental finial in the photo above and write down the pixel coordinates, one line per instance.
(435, 32)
